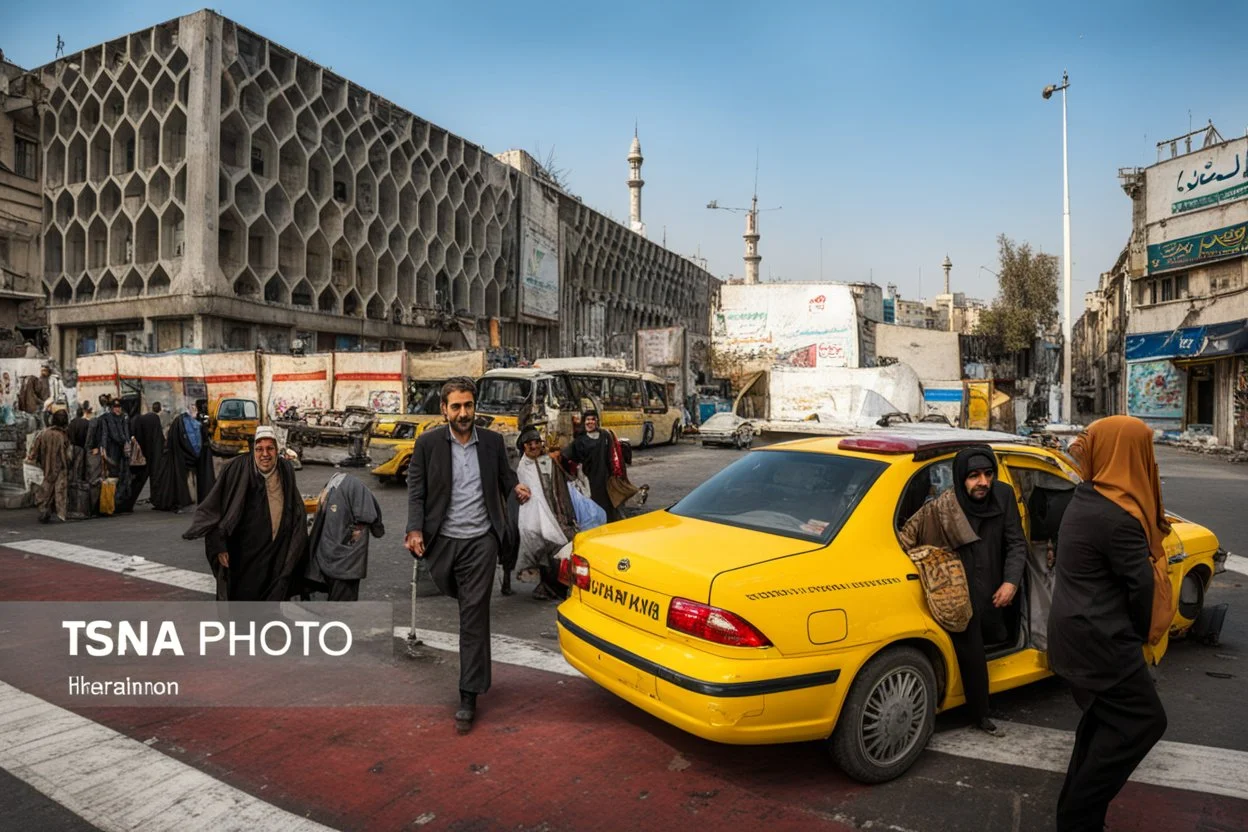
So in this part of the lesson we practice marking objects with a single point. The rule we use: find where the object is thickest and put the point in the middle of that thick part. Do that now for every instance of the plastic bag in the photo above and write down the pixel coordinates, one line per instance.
(540, 534)
(589, 514)
(33, 474)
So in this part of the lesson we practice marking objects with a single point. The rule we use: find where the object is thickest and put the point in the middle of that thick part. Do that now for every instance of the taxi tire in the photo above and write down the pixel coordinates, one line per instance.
(647, 435)
(844, 745)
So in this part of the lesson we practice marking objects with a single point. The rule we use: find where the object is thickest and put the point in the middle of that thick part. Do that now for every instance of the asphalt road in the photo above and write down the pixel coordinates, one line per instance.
(1201, 686)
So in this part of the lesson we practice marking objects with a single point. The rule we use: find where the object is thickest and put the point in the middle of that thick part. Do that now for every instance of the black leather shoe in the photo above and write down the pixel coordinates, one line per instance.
(467, 712)
(990, 728)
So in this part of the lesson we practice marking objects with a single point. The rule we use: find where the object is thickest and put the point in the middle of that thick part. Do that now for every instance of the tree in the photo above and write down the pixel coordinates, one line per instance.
(1026, 302)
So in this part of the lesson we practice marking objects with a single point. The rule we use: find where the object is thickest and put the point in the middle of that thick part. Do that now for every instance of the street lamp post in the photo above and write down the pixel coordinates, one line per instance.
(1067, 412)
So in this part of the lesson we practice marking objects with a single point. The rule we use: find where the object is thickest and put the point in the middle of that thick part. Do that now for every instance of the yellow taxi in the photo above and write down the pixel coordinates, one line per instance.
(774, 603)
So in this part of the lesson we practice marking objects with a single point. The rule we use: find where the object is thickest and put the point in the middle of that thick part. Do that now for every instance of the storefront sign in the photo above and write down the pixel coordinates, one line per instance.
(1155, 390)
(1230, 241)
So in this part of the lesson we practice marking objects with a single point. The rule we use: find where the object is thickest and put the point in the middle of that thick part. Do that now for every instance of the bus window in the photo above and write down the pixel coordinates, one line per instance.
(621, 394)
(656, 396)
(503, 395)
(561, 394)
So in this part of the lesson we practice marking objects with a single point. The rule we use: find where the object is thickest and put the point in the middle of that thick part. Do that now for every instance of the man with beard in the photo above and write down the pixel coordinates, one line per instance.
(457, 482)
(547, 524)
(112, 445)
(254, 525)
(51, 452)
(186, 474)
(593, 450)
(978, 519)
(151, 438)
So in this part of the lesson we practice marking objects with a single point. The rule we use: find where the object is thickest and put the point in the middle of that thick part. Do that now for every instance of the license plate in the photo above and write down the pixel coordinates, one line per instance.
(625, 602)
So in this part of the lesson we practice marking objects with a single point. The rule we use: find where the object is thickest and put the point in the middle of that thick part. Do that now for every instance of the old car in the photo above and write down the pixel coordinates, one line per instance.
(333, 437)
(727, 429)
(232, 425)
(774, 603)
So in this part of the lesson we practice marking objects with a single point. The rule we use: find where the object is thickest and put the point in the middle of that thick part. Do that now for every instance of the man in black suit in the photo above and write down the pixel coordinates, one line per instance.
(457, 484)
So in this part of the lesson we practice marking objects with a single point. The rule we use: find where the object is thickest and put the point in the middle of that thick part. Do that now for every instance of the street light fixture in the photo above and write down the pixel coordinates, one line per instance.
(1047, 93)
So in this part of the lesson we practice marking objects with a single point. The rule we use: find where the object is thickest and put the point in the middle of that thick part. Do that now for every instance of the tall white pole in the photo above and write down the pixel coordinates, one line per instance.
(1067, 412)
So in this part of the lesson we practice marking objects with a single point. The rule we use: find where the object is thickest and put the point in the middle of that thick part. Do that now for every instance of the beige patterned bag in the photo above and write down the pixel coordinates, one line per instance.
(944, 586)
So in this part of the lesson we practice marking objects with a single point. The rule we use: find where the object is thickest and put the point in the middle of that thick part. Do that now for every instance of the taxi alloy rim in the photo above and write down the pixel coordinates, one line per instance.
(893, 717)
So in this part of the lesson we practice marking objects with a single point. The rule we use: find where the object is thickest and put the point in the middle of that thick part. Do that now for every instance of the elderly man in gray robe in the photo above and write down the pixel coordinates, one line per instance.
(346, 515)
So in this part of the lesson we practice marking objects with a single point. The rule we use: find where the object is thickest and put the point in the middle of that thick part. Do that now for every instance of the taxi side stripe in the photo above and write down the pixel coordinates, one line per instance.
(726, 689)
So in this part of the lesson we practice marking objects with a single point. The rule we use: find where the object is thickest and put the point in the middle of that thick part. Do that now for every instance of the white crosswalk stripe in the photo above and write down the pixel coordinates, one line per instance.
(1175, 765)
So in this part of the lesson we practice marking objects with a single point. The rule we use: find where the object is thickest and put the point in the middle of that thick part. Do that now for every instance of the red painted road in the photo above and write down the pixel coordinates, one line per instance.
(551, 752)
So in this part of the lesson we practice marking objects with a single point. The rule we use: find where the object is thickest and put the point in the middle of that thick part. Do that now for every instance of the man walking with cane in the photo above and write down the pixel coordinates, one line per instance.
(457, 482)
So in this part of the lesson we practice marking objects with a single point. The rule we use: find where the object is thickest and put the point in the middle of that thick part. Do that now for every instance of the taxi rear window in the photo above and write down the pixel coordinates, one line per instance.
(803, 495)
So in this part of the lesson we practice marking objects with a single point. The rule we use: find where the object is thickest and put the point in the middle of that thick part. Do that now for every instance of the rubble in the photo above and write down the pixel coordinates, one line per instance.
(1200, 441)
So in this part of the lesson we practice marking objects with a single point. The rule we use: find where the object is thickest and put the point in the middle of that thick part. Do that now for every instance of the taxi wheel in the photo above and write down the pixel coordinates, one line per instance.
(647, 435)
(887, 718)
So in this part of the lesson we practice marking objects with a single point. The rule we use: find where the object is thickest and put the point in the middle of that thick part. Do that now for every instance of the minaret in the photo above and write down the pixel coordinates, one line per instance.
(947, 266)
(752, 257)
(635, 184)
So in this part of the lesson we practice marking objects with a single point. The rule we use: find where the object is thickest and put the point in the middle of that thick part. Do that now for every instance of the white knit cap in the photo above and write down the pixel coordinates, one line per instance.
(266, 432)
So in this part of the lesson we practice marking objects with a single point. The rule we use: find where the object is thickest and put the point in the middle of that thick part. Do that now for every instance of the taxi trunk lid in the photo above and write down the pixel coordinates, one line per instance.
(638, 565)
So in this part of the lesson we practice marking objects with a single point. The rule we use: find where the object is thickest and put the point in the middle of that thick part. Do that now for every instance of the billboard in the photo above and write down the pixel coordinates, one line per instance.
(1155, 391)
(791, 324)
(1207, 178)
(1231, 241)
(539, 275)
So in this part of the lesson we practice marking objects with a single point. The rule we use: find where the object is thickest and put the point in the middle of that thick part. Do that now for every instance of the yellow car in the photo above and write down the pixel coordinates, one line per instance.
(775, 604)
(397, 435)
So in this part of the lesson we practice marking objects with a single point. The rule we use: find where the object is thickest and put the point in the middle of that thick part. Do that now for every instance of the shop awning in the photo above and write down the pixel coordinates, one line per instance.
(1212, 341)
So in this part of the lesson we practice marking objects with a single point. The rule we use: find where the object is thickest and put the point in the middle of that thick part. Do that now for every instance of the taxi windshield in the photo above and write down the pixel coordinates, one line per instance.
(791, 493)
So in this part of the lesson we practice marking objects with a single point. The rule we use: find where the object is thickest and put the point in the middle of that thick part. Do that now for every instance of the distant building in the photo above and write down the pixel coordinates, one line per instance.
(1187, 273)
(22, 308)
(204, 187)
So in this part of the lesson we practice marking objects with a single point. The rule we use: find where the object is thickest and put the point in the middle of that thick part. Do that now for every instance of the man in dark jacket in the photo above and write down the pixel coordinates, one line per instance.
(338, 552)
(147, 431)
(80, 426)
(112, 445)
(457, 482)
(978, 518)
(254, 525)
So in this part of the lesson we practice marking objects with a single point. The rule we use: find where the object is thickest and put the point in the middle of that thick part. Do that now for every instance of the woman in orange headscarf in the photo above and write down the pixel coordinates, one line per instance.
(1111, 596)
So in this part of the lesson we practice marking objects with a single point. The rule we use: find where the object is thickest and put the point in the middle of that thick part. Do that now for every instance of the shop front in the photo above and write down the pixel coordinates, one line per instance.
(1192, 378)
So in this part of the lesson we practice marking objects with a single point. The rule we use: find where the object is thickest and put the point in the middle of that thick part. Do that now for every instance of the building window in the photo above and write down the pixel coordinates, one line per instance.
(1152, 291)
(340, 191)
(1180, 286)
(25, 158)
(1167, 289)
(238, 338)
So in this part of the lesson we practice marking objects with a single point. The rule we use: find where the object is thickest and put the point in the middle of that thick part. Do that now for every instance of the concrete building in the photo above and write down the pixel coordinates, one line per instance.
(1187, 331)
(22, 307)
(965, 311)
(207, 188)
(1098, 340)
(934, 355)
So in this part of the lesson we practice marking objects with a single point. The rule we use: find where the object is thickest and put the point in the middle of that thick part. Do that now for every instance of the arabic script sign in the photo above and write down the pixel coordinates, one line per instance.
(1186, 251)
(1213, 176)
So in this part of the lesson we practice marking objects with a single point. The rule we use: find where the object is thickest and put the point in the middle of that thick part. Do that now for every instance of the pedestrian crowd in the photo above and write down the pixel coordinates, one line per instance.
(469, 511)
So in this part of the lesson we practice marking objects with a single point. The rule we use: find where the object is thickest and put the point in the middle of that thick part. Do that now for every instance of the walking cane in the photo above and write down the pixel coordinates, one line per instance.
(412, 641)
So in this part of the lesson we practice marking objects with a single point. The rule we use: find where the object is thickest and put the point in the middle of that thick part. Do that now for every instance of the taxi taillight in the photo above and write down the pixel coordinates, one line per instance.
(574, 571)
(713, 624)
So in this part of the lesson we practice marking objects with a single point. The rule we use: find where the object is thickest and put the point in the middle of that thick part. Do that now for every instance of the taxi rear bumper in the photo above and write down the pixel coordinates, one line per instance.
(782, 708)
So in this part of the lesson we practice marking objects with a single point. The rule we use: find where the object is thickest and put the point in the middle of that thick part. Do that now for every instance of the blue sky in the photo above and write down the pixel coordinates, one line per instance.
(896, 132)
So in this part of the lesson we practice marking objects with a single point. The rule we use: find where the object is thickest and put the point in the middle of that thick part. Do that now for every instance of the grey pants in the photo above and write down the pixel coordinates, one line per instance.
(464, 570)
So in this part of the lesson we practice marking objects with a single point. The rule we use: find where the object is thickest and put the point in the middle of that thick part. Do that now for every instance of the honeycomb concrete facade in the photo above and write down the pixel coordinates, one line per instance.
(205, 187)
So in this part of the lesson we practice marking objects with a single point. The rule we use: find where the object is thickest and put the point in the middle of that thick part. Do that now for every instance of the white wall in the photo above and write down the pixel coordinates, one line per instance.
(790, 324)
(933, 354)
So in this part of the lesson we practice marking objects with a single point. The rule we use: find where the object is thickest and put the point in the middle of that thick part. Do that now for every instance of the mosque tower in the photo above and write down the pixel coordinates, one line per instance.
(635, 184)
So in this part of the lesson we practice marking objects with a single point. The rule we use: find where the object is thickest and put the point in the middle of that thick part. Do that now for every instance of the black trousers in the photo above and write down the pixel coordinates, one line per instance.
(139, 479)
(464, 570)
(1118, 728)
(342, 590)
(968, 646)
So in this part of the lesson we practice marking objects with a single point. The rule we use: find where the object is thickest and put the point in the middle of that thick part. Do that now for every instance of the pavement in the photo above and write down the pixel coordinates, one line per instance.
(552, 751)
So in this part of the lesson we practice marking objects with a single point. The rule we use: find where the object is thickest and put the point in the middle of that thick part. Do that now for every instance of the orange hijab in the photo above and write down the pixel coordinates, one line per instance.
(1116, 455)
